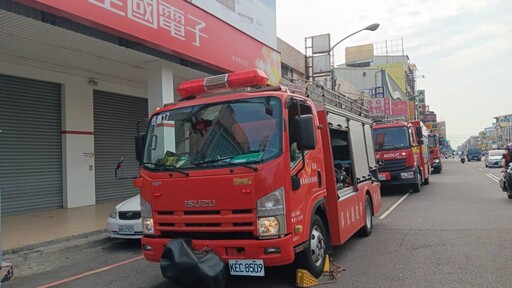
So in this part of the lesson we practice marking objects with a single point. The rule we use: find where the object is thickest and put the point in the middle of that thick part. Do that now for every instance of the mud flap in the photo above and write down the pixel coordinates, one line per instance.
(182, 264)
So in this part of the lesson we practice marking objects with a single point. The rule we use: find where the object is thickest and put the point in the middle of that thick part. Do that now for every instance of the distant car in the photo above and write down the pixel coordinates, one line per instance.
(493, 159)
(124, 220)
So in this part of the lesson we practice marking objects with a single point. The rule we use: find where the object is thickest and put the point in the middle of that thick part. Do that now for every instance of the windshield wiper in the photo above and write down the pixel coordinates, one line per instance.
(225, 160)
(166, 167)
(392, 146)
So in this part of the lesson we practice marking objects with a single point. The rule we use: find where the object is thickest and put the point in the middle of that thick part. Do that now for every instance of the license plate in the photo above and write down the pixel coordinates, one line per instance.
(125, 229)
(253, 267)
(382, 177)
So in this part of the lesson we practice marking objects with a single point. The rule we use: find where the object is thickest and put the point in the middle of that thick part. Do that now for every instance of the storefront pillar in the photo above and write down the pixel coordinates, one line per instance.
(160, 84)
(78, 142)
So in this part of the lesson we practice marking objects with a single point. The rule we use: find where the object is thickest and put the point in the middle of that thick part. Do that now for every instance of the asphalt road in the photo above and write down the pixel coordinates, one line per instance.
(455, 233)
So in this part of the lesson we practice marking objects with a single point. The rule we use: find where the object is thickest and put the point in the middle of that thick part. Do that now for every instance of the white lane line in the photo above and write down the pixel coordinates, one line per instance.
(494, 178)
(480, 169)
(91, 272)
(394, 206)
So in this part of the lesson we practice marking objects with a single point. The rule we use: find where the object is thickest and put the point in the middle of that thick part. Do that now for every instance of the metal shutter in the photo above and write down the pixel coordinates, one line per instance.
(30, 145)
(115, 125)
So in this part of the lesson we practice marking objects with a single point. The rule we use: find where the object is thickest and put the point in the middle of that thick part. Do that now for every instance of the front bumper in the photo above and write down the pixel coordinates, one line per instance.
(494, 163)
(230, 249)
(395, 177)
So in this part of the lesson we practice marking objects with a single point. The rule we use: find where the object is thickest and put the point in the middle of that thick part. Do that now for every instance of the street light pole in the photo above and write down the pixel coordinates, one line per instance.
(371, 27)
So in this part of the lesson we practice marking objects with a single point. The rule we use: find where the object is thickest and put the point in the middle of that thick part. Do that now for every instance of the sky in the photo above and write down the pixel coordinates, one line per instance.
(462, 47)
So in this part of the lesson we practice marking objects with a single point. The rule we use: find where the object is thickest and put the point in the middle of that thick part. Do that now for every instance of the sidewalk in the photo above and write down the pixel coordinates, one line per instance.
(29, 231)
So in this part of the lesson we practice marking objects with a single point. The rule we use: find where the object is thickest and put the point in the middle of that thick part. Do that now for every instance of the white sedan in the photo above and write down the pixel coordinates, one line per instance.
(124, 220)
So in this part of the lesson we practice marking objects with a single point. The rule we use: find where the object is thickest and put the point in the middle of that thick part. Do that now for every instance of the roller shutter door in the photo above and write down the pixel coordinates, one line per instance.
(115, 125)
(30, 145)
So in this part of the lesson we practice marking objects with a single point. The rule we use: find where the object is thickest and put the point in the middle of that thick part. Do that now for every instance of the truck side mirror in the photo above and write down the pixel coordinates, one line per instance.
(119, 166)
(419, 132)
(304, 129)
(139, 147)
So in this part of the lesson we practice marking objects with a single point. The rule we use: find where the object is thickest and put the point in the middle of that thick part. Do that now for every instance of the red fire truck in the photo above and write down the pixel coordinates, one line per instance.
(435, 153)
(402, 153)
(258, 175)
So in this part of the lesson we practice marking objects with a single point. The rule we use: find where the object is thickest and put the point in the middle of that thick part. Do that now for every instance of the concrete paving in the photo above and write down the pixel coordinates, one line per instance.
(26, 236)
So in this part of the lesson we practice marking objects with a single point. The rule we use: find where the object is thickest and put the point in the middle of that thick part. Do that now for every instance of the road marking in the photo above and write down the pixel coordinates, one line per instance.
(394, 206)
(91, 272)
(493, 177)
(480, 169)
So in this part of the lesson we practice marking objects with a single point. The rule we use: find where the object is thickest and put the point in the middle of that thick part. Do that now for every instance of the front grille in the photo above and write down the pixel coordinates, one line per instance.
(129, 215)
(207, 224)
(209, 236)
(393, 165)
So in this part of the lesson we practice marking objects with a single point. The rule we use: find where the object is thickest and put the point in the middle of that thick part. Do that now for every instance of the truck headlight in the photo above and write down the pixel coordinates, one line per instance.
(147, 217)
(272, 204)
(271, 214)
(113, 213)
(268, 226)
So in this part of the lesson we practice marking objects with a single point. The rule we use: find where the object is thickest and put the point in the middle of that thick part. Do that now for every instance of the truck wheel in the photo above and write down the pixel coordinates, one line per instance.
(426, 181)
(416, 187)
(313, 257)
(367, 229)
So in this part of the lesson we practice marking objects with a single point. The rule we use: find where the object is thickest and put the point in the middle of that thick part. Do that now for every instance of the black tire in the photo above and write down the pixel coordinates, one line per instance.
(426, 181)
(509, 193)
(416, 187)
(367, 229)
(312, 258)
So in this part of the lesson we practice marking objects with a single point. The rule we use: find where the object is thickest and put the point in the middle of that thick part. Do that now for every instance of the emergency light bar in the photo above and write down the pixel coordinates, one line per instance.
(235, 80)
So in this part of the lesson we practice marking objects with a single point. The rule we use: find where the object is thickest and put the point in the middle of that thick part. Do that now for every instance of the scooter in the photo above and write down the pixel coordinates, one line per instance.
(506, 181)
(462, 159)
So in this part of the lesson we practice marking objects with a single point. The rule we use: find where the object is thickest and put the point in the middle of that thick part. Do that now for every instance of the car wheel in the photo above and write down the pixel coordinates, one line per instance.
(313, 257)
(367, 229)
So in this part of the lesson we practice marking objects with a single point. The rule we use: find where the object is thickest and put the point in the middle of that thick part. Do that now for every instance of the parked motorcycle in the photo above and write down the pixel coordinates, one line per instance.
(506, 181)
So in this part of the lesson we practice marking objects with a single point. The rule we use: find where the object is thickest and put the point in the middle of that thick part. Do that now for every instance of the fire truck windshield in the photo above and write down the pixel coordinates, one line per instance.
(232, 133)
(391, 138)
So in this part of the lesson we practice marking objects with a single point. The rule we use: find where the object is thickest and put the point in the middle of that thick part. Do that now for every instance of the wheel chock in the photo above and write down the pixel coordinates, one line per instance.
(327, 265)
(305, 279)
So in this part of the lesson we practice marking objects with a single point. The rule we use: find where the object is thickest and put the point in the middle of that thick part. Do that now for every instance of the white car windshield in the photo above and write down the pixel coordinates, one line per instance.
(496, 153)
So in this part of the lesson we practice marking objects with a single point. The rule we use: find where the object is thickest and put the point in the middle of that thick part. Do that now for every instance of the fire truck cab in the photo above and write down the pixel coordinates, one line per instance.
(435, 153)
(401, 149)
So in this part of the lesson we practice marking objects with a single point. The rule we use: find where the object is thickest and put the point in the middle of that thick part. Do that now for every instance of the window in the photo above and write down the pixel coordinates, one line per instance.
(295, 109)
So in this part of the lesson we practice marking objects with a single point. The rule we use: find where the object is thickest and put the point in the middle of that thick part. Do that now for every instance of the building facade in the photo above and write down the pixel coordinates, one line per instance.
(77, 76)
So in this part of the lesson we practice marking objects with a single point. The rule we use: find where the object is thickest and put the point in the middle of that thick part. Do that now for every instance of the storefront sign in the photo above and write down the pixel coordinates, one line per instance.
(177, 27)
(399, 108)
(378, 106)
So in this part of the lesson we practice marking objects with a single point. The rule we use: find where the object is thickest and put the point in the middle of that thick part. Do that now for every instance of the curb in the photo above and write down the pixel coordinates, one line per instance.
(23, 258)
(99, 234)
